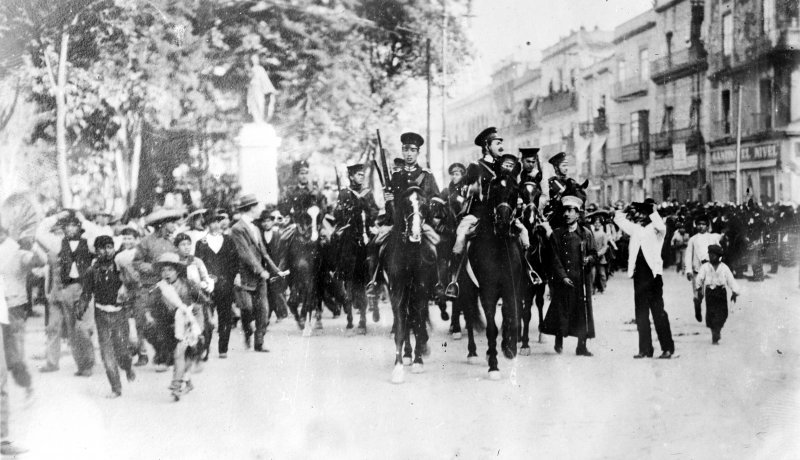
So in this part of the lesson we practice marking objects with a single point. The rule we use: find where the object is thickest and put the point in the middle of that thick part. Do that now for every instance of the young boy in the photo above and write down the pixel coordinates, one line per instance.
(713, 279)
(102, 282)
(183, 300)
(129, 240)
(680, 239)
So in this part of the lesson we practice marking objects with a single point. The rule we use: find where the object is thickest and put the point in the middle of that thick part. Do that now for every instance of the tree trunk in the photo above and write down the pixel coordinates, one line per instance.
(136, 159)
(61, 122)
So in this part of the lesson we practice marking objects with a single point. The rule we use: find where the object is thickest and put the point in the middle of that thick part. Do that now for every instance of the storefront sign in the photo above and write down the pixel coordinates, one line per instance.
(749, 153)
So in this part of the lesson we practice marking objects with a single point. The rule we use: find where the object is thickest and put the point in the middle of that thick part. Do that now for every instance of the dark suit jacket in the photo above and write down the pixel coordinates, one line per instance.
(253, 256)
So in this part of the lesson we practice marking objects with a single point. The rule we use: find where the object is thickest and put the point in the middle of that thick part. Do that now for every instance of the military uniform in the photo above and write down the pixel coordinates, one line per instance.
(297, 195)
(356, 199)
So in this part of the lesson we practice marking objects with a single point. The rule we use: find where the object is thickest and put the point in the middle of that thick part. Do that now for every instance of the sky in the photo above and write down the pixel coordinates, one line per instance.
(500, 28)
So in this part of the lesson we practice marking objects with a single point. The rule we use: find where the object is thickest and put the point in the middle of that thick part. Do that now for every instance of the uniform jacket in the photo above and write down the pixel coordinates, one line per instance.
(478, 178)
(297, 194)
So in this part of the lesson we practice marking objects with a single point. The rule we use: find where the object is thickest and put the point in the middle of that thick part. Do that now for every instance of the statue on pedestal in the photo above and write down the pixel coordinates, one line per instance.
(260, 92)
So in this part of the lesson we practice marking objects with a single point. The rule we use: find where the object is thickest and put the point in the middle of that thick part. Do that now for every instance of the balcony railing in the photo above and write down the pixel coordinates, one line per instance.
(560, 101)
(752, 124)
(686, 61)
(785, 40)
(600, 125)
(630, 153)
(661, 143)
(630, 88)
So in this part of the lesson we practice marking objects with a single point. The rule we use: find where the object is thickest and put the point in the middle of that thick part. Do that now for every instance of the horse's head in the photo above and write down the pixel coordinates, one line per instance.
(503, 201)
(412, 214)
(439, 213)
(309, 223)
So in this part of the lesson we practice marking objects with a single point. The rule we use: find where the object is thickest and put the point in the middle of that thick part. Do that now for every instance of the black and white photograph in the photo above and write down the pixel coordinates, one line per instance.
(399, 229)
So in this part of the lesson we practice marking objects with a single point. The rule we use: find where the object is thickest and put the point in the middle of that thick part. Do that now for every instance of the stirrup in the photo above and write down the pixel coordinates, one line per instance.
(439, 290)
(452, 290)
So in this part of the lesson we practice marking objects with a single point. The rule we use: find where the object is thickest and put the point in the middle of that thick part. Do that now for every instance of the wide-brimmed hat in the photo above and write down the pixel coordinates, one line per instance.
(170, 258)
(246, 200)
(163, 215)
(197, 212)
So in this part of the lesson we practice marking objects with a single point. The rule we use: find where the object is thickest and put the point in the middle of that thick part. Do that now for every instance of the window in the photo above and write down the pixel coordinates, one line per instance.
(668, 123)
(767, 16)
(732, 190)
(644, 65)
(634, 127)
(621, 75)
(767, 186)
(669, 46)
(727, 34)
(726, 111)
(764, 117)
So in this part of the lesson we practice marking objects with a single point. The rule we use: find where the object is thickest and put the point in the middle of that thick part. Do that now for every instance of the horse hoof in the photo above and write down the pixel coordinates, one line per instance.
(362, 330)
(473, 360)
(417, 368)
(307, 331)
(406, 360)
(456, 336)
(349, 326)
(318, 325)
(525, 351)
(494, 375)
(398, 374)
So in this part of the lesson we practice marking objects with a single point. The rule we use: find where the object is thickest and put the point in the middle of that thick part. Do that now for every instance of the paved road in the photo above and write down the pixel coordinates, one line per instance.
(329, 396)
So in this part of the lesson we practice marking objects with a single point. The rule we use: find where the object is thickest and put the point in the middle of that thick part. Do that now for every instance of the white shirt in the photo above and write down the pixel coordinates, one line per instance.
(3, 304)
(722, 276)
(697, 249)
(650, 239)
(214, 242)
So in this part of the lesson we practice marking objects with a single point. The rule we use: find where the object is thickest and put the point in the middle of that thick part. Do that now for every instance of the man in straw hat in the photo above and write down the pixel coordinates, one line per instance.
(151, 248)
(647, 232)
(256, 267)
(573, 254)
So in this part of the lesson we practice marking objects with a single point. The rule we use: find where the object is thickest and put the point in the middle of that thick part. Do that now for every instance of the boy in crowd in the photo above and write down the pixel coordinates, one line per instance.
(712, 280)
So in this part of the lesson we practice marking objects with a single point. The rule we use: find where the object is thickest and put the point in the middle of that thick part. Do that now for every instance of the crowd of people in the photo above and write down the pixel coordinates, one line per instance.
(155, 289)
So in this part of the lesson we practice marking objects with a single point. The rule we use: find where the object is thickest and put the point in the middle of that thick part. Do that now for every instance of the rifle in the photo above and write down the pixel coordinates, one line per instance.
(384, 164)
(378, 170)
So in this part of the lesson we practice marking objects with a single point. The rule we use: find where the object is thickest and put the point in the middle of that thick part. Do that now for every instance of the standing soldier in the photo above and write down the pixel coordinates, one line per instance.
(297, 193)
(572, 255)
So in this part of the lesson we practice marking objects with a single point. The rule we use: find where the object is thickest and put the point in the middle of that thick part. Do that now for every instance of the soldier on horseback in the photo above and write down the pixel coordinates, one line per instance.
(561, 185)
(300, 192)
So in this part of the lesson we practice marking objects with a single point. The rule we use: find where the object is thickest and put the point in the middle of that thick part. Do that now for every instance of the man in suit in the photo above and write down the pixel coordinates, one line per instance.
(255, 268)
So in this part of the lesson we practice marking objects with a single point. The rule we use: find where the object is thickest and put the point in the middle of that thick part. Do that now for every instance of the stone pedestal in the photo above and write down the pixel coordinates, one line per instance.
(258, 161)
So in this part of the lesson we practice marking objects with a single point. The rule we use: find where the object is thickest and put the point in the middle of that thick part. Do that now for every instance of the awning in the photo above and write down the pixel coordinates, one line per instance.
(772, 163)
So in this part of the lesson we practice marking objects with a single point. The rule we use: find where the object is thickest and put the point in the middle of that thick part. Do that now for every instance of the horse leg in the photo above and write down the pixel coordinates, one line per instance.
(469, 305)
(489, 302)
(539, 298)
(360, 303)
(511, 310)
(348, 304)
(525, 350)
(420, 333)
(400, 336)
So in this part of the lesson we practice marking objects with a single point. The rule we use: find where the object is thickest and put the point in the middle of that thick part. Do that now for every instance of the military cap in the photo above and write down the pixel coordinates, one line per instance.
(571, 201)
(298, 165)
(456, 166)
(715, 249)
(487, 135)
(356, 168)
(411, 138)
(556, 159)
(529, 152)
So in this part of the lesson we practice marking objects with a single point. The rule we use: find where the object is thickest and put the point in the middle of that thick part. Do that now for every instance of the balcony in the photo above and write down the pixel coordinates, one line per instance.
(630, 89)
(680, 64)
(781, 45)
(630, 153)
(661, 143)
(753, 125)
(600, 125)
(558, 102)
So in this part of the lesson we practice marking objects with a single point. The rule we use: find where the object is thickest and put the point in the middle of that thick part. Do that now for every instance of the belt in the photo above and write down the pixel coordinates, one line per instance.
(107, 308)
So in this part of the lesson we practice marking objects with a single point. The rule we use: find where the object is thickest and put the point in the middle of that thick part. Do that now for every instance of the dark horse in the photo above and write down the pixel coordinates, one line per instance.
(534, 285)
(496, 256)
(303, 255)
(408, 261)
(349, 248)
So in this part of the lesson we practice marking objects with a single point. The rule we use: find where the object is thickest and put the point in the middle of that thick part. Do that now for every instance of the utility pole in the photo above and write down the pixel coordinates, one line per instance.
(444, 89)
(739, 149)
(428, 111)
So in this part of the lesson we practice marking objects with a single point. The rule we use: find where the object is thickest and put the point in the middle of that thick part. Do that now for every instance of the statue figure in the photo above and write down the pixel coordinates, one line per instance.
(260, 93)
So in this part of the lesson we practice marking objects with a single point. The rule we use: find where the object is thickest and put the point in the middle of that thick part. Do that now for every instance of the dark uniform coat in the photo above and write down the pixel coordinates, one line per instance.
(354, 200)
(478, 178)
(570, 312)
(297, 194)
(415, 176)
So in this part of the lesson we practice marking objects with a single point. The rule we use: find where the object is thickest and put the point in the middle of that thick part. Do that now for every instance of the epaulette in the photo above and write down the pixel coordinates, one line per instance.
(426, 170)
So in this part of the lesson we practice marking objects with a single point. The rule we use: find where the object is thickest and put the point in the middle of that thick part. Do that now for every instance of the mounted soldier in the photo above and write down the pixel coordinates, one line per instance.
(301, 192)
(561, 185)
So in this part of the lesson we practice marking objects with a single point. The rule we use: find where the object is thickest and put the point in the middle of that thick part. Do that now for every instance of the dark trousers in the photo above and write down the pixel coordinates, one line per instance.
(112, 336)
(14, 345)
(254, 307)
(277, 298)
(648, 292)
(223, 302)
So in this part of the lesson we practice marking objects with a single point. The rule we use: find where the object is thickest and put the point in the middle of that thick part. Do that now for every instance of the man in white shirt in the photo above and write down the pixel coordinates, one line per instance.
(696, 255)
(6, 446)
(645, 266)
